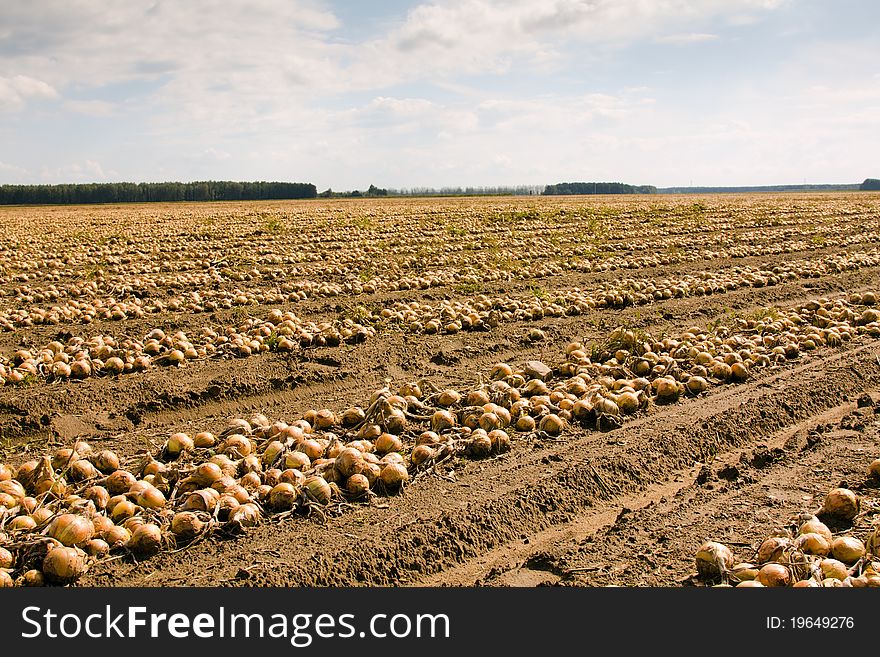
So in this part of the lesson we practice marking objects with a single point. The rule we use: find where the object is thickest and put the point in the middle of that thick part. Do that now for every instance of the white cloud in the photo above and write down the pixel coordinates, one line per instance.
(683, 39)
(95, 108)
(17, 90)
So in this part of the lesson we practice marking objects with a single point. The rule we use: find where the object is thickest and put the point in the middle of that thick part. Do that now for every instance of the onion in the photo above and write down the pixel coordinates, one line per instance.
(349, 462)
(283, 496)
(420, 454)
(812, 543)
(207, 473)
(552, 424)
(33, 577)
(847, 549)
(204, 439)
(82, 470)
(806, 583)
(186, 525)
(393, 475)
(21, 523)
(123, 510)
(750, 584)
(874, 468)
(204, 499)
(841, 504)
(448, 398)
(177, 444)
(298, 460)
(774, 574)
(150, 498)
(119, 482)
(41, 515)
(247, 515)
(146, 540)
(99, 496)
(71, 529)
(816, 526)
(744, 571)
(772, 548)
(106, 461)
(833, 569)
(97, 548)
(388, 443)
(357, 485)
(6, 581)
(6, 558)
(317, 489)
(63, 565)
(714, 559)
(442, 420)
(117, 536)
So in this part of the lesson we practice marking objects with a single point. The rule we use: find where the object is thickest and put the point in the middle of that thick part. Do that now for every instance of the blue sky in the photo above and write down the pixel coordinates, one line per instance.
(453, 92)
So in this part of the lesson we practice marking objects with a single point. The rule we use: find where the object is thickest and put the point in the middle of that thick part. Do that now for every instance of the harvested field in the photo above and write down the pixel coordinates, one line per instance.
(683, 369)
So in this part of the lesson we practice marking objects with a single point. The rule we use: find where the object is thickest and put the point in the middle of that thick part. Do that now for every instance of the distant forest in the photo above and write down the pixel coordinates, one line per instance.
(870, 185)
(597, 188)
(124, 192)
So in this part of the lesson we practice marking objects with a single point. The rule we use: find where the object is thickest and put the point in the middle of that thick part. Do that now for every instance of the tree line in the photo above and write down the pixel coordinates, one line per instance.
(870, 185)
(597, 188)
(125, 192)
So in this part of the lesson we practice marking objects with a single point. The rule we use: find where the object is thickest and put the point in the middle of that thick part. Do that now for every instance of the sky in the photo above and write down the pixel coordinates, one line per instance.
(405, 94)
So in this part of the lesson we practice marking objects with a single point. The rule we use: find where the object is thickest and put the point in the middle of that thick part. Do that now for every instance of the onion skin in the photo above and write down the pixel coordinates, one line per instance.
(146, 540)
(813, 543)
(874, 468)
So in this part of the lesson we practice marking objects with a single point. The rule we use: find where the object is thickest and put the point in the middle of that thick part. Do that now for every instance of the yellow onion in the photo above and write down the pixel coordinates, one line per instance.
(841, 503)
(71, 529)
(82, 470)
(150, 498)
(204, 499)
(292, 476)
(833, 569)
(357, 485)
(283, 496)
(99, 496)
(41, 515)
(773, 548)
(750, 584)
(178, 443)
(206, 473)
(349, 462)
(146, 540)
(442, 420)
(317, 489)
(117, 536)
(874, 468)
(774, 574)
(806, 584)
(204, 439)
(420, 454)
(247, 515)
(816, 526)
(122, 510)
(186, 525)
(6, 581)
(33, 578)
(119, 482)
(102, 523)
(13, 488)
(6, 472)
(714, 559)
(393, 475)
(387, 442)
(812, 543)
(21, 523)
(552, 424)
(6, 558)
(63, 565)
(744, 571)
(106, 461)
(298, 460)
(97, 548)
(847, 549)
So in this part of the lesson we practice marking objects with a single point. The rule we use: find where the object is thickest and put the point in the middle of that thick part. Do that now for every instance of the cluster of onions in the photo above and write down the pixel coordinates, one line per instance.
(808, 555)
(79, 358)
(484, 312)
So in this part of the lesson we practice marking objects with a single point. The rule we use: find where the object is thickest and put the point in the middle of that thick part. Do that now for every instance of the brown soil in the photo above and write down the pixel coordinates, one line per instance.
(627, 507)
